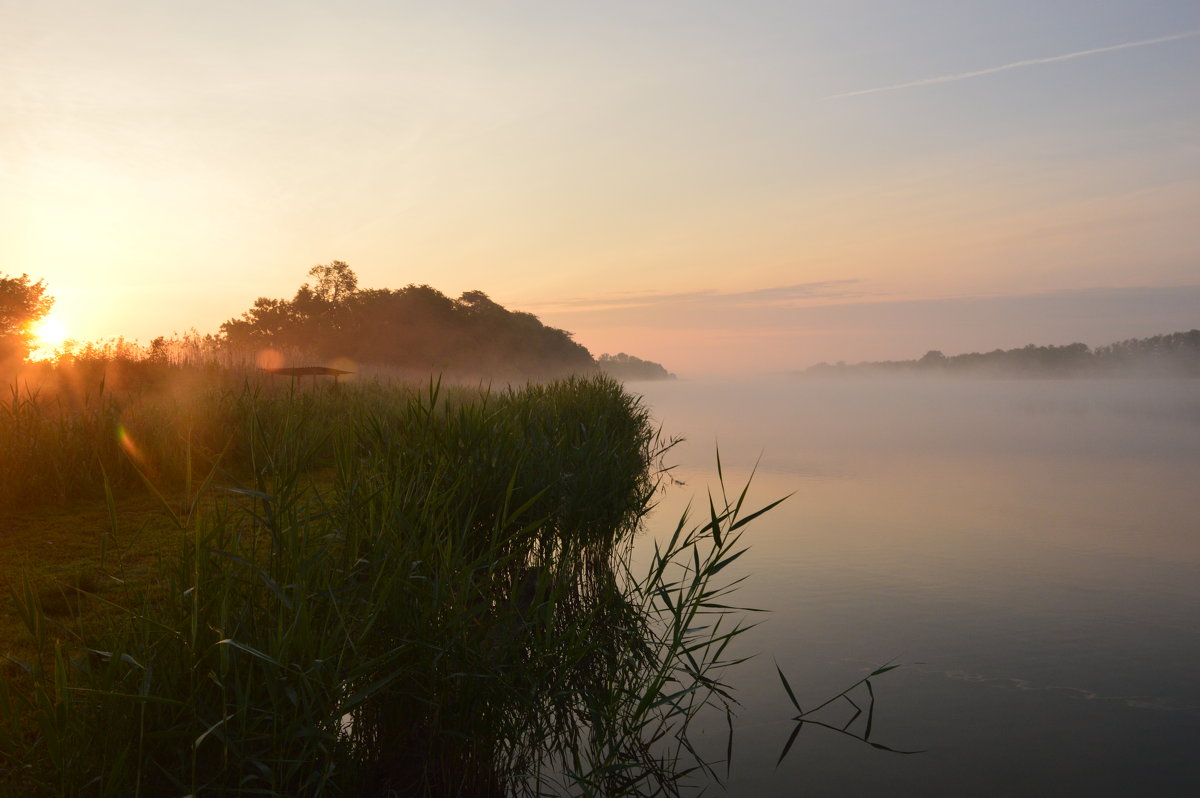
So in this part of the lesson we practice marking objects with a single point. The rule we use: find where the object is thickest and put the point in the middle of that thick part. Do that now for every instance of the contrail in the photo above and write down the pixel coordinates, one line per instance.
(1016, 65)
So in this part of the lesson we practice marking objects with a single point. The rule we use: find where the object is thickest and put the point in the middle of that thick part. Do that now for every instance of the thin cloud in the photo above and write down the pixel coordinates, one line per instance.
(1015, 65)
(827, 289)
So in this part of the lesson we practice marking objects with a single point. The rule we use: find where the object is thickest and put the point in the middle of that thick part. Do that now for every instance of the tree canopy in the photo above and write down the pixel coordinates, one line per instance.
(23, 303)
(415, 327)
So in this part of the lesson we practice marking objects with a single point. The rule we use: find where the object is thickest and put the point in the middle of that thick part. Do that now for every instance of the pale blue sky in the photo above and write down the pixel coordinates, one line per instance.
(165, 163)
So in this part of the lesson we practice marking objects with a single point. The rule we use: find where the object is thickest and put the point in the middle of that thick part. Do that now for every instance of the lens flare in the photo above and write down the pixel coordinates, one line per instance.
(127, 443)
(269, 359)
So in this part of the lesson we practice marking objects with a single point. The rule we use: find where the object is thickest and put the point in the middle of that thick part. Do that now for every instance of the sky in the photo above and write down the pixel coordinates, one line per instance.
(721, 187)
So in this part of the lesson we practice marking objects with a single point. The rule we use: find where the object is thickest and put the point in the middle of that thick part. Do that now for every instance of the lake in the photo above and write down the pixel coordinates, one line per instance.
(1029, 550)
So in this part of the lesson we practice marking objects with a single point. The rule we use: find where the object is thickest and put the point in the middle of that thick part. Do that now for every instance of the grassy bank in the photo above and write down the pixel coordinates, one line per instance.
(365, 591)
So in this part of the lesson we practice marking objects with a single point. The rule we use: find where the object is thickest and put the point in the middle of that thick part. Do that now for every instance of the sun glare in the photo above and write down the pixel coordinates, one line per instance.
(50, 333)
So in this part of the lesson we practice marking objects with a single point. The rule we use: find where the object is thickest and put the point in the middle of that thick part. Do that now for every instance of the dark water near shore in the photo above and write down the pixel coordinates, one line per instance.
(1029, 549)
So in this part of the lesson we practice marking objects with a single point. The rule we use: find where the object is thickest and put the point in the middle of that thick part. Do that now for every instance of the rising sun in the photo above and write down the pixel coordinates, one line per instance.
(50, 333)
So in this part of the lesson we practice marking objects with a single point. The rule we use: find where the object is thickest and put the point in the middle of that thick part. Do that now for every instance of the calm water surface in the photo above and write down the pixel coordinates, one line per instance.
(1029, 549)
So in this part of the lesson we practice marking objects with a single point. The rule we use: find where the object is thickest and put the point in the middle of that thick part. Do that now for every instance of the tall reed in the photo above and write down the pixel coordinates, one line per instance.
(417, 593)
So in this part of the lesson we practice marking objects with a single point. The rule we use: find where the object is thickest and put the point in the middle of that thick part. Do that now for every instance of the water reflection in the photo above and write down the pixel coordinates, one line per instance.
(1032, 544)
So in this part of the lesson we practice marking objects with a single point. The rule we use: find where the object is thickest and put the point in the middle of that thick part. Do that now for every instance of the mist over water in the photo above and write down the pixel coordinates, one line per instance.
(1030, 549)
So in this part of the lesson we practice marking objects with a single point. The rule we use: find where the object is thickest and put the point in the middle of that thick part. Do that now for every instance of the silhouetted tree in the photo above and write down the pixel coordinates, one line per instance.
(269, 322)
(414, 327)
(628, 367)
(336, 282)
(932, 359)
(22, 304)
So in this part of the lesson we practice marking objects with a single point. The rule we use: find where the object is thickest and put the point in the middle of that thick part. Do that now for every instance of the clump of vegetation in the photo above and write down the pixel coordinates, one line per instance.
(628, 367)
(415, 328)
(376, 591)
(71, 431)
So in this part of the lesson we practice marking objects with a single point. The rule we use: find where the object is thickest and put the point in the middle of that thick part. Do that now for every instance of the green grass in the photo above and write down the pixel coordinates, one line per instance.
(364, 591)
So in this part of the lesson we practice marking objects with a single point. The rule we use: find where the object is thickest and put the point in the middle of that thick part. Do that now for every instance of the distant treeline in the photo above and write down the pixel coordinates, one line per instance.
(417, 328)
(1175, 354)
